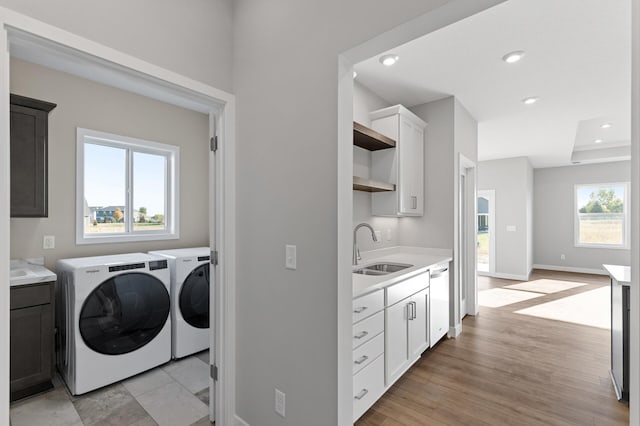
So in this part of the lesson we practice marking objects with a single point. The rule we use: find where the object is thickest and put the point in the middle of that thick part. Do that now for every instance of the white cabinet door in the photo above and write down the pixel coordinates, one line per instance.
(411, 169)
(396, 340)
(418, 324)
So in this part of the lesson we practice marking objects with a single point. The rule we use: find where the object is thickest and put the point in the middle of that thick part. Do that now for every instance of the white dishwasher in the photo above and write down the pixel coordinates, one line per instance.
(439, 319)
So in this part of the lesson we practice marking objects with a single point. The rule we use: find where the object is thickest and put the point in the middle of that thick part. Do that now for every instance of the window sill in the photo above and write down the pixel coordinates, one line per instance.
(602, 246)
(110, 239)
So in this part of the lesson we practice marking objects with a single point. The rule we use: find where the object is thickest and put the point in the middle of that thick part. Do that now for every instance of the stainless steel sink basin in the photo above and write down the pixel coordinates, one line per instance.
(382, 268)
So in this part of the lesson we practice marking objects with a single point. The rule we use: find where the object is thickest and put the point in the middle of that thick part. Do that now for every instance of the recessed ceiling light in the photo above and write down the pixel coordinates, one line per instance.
(597, 141)
(513, 57)
(389, 60)
(605, 126)
(530, 100)
(355, 73)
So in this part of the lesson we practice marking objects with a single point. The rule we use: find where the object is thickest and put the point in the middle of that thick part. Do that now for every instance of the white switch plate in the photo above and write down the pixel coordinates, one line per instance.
(49, 242)
(290, 257)
(511, 228)
(388, 234)
(279, 402)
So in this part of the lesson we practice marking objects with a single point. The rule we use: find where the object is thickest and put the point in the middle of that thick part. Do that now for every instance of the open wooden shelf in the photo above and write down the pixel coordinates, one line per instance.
(368, 185)
(369, 139)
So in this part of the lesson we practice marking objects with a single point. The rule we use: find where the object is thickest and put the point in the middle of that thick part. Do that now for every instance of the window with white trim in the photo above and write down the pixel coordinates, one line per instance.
(127, 189)
(602, 215)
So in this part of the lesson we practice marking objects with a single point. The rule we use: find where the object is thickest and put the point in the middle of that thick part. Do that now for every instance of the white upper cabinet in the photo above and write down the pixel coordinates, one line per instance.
(402, 165)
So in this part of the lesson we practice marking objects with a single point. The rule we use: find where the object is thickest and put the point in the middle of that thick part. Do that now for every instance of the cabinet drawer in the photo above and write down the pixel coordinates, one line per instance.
(367, 329)
(366, 353)
(368, 385)
(368, 305)
(30, 295)
(406, 288)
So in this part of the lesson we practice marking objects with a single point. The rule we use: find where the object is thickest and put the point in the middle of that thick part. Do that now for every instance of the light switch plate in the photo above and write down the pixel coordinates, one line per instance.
(290, 259)
(511, 228)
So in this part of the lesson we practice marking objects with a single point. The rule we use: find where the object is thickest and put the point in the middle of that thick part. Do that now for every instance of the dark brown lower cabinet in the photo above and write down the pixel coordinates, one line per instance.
(32, 334)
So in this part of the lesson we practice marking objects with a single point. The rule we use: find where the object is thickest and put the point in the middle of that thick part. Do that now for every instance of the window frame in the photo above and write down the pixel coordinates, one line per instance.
(576, 221)
(171, 185)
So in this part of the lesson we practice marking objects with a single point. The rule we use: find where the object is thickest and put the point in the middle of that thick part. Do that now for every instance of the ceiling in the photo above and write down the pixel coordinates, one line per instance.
(577, 61)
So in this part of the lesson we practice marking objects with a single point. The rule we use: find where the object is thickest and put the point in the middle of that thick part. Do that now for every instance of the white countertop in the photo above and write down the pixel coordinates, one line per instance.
(421, 258)
(620, 273)
(24, 272)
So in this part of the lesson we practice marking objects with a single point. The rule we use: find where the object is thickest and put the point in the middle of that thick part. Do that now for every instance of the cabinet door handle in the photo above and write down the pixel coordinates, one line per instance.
(361, 394)
(415, 310)
(362, 359)
(361, 334)
(360, 310)
(410, 311)
(414, 202)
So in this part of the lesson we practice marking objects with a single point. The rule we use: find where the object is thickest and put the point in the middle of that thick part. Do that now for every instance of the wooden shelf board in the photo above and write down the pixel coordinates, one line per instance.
(368, 185)
(369, 139)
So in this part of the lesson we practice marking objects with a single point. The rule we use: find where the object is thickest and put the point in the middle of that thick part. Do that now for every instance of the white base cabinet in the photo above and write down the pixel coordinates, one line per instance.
(407, 333)
(368, 351)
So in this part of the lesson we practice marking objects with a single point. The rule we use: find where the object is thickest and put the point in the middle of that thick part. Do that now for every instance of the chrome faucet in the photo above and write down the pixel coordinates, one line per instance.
(356, 251)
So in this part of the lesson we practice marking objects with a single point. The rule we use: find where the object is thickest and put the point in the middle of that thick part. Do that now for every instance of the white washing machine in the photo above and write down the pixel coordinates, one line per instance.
(189, 299)
(112, 315)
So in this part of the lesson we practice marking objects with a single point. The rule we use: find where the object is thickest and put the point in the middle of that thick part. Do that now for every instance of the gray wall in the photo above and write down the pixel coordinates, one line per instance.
(435, 228)
(82, 103)
(553, 218)
(285, 74)
(365, 101)
(192, 38)
(512, 181)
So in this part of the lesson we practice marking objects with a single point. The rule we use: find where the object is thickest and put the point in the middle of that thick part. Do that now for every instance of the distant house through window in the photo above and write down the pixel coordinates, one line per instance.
(126, 189)
(602, 215)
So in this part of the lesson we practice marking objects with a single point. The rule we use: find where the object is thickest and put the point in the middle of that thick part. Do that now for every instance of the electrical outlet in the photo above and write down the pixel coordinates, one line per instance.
(49, 242)
(279, 402)
(388, 234)
(562, 257)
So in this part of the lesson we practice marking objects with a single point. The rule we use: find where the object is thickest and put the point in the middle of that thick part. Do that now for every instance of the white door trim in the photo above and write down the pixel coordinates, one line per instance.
(50, 46)
(465, 249)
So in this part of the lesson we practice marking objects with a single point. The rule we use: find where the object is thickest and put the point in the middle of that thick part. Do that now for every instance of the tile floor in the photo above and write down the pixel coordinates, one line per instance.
(174, 394)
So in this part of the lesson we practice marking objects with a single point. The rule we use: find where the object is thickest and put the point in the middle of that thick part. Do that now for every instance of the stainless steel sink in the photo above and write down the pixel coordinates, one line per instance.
(382, 268)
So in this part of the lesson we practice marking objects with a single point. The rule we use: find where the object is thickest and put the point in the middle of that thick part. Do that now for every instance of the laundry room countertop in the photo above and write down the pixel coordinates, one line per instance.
(24, 272)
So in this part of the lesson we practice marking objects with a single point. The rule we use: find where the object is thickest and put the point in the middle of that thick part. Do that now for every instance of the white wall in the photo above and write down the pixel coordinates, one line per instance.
(512, 181)
(285, 73)
(554, 215)
(193, 40)
(83, 103)
(365, 101)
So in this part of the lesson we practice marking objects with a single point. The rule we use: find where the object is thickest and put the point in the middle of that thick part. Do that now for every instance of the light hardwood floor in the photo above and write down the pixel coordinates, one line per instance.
(510, 369)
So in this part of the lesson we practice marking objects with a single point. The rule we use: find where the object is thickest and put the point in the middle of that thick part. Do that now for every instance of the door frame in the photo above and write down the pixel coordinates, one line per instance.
(58, 49)
(466, 241)
(490, 194)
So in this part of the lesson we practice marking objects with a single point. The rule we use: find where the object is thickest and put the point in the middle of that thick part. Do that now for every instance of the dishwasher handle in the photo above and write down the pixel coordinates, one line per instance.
(438, 272)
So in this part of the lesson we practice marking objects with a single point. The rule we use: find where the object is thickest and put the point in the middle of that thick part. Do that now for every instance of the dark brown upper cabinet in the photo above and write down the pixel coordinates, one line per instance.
(29, 132)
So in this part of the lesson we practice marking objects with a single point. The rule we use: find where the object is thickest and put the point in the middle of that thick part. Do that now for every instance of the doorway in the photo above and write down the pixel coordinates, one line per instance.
(45, 45)
(485, 231)
(467, 238)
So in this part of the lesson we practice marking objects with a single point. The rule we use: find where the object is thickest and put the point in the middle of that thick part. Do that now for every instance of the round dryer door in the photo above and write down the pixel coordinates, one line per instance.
(124, 313)
(194, 297)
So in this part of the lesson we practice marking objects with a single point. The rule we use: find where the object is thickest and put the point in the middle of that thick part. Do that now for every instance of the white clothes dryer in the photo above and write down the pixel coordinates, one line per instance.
(112, 315)
(189, 299)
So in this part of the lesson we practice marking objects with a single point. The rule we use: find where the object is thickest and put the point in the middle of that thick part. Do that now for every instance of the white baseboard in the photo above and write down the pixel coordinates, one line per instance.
(239, 422)
(504, 276)
(571, 269)
(455, 331)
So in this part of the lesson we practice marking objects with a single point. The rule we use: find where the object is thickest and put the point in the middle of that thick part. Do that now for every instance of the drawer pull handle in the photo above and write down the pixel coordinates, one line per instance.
(360, 310)
(362, 359)
(361, 334)
(361, 394)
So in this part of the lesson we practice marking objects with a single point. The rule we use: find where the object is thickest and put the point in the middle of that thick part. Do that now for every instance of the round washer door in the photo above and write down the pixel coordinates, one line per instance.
(124, 313)
(194, 297)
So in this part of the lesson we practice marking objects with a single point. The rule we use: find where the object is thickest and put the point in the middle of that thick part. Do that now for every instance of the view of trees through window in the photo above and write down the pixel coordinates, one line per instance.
(601, 216)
